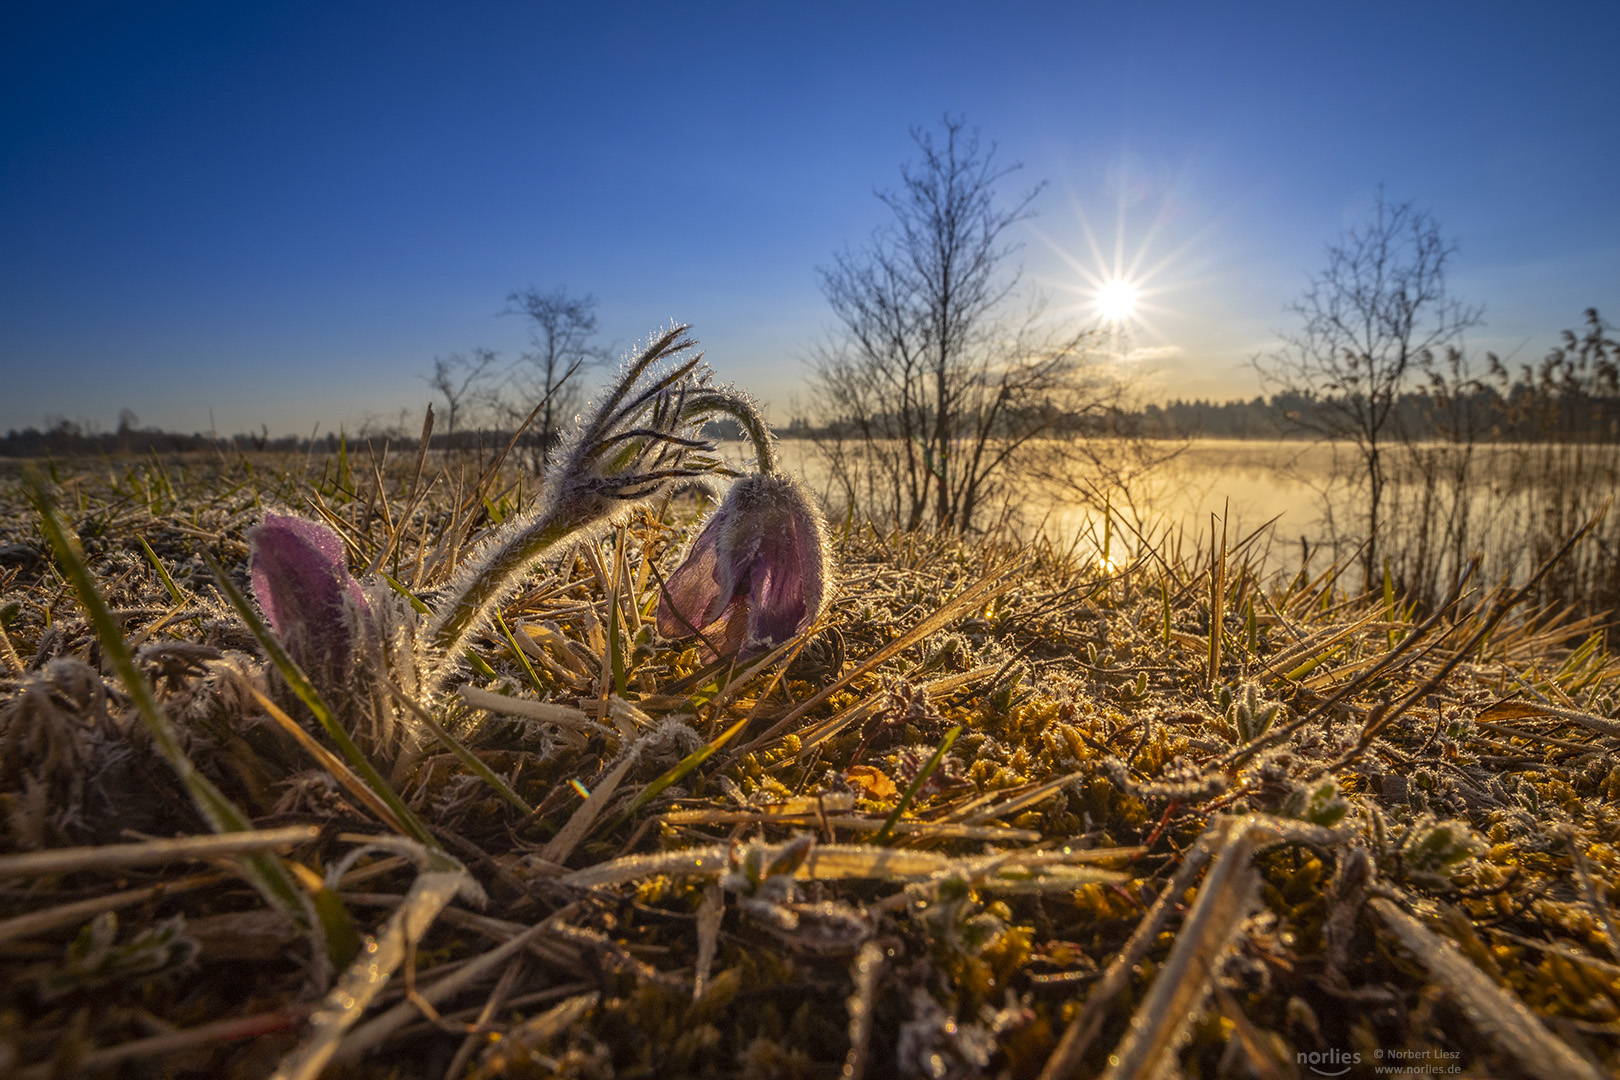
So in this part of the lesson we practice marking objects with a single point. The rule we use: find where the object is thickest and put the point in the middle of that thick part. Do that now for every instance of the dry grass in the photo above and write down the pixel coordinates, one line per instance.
(1308, 824)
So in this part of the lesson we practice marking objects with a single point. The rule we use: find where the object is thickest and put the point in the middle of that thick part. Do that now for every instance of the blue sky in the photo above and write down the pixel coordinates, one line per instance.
(282, 212)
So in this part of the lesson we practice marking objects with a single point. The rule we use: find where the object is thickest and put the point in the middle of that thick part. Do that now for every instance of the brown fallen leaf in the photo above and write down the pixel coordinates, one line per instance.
(873, 782)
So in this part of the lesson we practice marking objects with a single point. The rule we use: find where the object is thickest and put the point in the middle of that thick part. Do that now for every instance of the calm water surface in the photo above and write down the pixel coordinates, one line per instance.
(1513, 494)
(1246, 482)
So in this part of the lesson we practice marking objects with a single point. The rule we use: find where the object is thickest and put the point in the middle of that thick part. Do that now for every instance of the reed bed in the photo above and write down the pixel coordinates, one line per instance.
(998, 812)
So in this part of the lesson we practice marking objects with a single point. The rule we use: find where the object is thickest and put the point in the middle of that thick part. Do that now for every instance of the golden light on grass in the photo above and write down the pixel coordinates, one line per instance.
(1245, 661)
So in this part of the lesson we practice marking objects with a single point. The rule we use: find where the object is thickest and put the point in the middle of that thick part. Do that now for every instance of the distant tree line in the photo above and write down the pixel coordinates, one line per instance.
(1527, 408)
(1559, 399)
(62, 438)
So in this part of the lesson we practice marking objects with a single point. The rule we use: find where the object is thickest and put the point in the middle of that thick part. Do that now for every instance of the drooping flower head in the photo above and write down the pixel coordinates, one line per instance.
(756, 574)
(302, 582)
(642, 439)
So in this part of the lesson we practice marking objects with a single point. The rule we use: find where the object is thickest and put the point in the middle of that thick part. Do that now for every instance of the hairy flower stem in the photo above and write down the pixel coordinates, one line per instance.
(739, 408)
(467, 611)
(448, 635)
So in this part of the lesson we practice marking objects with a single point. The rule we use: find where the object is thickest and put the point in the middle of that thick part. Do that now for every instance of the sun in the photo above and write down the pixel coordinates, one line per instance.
(1116, 301)
(1119, 291)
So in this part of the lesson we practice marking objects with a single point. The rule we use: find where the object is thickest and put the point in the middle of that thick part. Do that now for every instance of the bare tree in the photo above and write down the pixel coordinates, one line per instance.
(930, 387)
(1370, 321)
(560, 329)
(462, 380)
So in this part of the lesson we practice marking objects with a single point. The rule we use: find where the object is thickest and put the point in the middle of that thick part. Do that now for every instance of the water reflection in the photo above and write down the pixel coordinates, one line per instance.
(1246, 482)
(1442, 504)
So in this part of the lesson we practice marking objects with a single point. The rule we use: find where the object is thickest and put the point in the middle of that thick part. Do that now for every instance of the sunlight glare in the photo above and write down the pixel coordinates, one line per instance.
(1116, 301)
(1118, 290)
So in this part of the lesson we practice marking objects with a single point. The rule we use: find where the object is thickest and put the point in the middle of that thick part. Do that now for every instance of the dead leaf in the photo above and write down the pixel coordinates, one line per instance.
(873, 782)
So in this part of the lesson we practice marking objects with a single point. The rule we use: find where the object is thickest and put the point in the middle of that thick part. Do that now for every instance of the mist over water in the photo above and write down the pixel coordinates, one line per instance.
(1512, 503)
(1246, 482)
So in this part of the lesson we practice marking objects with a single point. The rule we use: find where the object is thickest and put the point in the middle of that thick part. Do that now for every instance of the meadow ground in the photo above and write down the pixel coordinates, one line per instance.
(998, 813)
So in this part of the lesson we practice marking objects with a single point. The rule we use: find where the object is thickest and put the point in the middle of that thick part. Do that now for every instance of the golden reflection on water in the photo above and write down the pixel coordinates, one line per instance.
(1243, 484)
(1250, 481)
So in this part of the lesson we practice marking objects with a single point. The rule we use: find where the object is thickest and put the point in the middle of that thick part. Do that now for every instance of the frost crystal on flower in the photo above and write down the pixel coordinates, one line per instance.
(757, 572)
(313, 603)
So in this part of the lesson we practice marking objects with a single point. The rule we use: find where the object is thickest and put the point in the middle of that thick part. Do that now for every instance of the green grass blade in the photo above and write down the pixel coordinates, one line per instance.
(682, 767)
(312, 699)
(615, 647)
(163, 474)
(522, 658)
(264, 870)
(1108, 533)
(480, 665)
(1164, 597)
(343, 942)
(163, 575)
(1389, 603)
(415, 601)
(468, 758)
(1312, 664)
(916, 785)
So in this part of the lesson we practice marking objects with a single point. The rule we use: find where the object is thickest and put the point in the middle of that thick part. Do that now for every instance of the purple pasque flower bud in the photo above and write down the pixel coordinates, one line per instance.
(757, 574)
(302, 581)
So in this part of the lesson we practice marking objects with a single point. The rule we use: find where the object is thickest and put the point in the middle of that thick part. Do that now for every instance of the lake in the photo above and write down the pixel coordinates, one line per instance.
(1512, 502)
(1249, 482)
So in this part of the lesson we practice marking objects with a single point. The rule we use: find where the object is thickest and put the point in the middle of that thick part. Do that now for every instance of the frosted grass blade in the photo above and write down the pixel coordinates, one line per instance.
(265, 871)
(442, 879)
(1495, 1012)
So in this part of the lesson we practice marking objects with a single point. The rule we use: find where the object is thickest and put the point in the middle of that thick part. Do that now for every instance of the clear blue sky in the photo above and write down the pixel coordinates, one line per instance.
(282, 212)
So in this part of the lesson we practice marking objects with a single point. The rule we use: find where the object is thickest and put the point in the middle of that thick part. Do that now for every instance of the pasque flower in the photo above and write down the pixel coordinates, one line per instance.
(643, 439)
(302, 582)
(757, 572)
(756, 577)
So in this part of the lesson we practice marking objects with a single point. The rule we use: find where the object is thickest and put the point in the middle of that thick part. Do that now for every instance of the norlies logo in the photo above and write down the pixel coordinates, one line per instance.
(1328, 1062)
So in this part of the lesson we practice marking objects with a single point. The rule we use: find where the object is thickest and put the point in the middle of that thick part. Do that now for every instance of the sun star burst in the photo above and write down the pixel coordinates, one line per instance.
(1116, 301)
